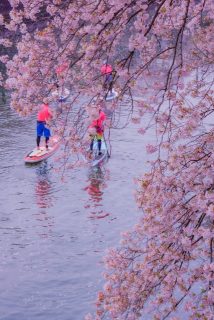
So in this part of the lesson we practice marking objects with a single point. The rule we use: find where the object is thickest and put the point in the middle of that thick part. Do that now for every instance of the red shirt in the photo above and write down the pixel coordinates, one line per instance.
(45, 113)
(106, 69)
(98, 123)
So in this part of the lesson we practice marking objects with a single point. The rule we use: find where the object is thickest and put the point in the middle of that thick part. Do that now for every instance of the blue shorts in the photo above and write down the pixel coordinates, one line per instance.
(42, 130)
(109, 78)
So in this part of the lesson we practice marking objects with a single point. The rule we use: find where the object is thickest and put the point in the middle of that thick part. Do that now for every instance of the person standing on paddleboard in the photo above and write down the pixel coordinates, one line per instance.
(98, 126)
(107, 72)
(44, 115)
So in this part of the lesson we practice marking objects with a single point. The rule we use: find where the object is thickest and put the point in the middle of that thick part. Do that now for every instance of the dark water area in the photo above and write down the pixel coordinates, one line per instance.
(5, 7)
(53, 235)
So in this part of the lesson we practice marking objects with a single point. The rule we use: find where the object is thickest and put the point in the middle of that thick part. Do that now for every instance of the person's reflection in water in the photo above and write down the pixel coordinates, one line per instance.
(44, 196)
(97, 183)
(43, 188)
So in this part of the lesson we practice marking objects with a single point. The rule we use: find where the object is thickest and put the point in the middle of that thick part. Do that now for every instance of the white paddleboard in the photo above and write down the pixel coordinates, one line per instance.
(96, 158)
(112, 96)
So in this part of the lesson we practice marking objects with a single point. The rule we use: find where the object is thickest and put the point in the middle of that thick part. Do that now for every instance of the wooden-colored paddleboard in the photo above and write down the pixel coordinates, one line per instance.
(35, 155)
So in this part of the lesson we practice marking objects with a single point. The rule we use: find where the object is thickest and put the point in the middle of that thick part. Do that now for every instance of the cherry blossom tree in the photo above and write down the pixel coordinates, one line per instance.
(163, 54)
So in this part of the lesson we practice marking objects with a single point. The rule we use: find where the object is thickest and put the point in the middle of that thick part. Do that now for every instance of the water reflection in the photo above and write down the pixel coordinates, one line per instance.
(44, 195)
(97, 177)
(43, 186)
(96, 184)
(44, 226)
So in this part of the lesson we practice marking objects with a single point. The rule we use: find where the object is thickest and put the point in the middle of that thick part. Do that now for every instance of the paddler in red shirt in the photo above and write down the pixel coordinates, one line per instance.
(107, 71)
(43, 117)
(98, 125)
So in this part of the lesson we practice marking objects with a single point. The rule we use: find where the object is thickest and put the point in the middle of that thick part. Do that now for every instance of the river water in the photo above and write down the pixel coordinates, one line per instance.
(53, 235)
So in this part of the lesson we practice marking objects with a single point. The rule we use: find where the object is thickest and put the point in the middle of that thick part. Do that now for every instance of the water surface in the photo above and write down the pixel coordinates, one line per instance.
(53, 235)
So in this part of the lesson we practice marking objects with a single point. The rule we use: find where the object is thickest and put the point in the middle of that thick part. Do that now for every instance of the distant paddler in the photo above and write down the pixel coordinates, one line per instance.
(107, 72)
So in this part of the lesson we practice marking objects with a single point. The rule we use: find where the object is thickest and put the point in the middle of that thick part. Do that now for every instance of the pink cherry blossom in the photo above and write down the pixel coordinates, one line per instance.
(162, 55)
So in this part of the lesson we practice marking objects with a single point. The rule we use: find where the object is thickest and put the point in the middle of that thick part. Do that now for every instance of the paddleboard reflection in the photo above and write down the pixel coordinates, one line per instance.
(43, 188)
(97, 178)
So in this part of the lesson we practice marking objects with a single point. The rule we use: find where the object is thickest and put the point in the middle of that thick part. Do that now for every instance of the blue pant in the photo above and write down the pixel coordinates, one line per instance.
(108, 78)
(108, 83)
(42, 130)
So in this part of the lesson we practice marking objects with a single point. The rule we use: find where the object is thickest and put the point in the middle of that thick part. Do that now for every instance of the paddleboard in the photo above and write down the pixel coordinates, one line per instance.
(112, 96)
(96, 158)
(36, 155)
(61, 94)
